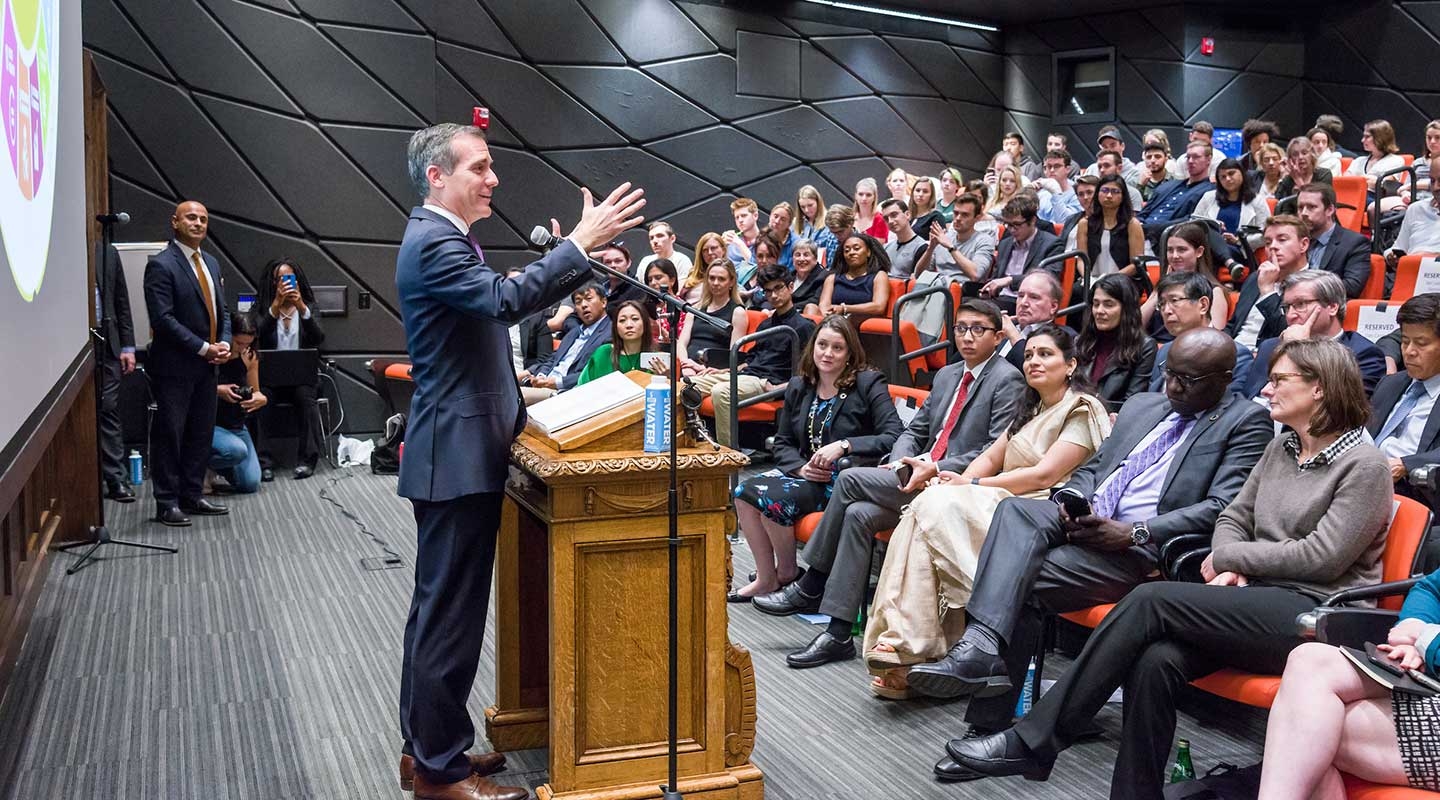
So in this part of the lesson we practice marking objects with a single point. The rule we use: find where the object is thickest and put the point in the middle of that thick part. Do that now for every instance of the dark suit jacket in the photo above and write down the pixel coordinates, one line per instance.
(536, 340)
(1370, 358)
(1285, 189)
(1120, 382)
(1205, 475)
(1348, 256)
(866, 417)
(311, 335)
(466, 409)
(572, 375)
(115, 323)
(1270, 307)
(1046, 244)
(178, 319)
(1387, 394)
(989, 406)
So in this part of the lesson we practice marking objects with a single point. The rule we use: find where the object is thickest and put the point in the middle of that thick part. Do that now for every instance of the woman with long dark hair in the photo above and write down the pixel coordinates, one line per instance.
(1188, 250)
(661, 276)
(1113, 350)
(860, 284)
(1234, 204)
(287, 322)
(929, 566)
(1110, 233)
(631, 335)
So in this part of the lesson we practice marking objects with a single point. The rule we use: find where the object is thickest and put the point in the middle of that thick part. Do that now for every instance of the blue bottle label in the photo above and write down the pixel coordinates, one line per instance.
(657, 419)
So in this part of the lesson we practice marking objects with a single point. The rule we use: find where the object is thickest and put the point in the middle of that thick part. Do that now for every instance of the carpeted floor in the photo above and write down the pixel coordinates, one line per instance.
(262, 661)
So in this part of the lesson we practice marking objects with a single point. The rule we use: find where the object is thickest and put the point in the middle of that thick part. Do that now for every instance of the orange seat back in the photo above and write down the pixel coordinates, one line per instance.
(1067, 285)
(1345, 163)
(899, 287)
(1407, 274)
(1270, 201)
(1408, 158)
(1409, 525)
(909, 393)
(398, 372)
(1375, 284)
(1350, 189)
(877, 334)
(1377, 316)
(752, 324)
(1356, 789)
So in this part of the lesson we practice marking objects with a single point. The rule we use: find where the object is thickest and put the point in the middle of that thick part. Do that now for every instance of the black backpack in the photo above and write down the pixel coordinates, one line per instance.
(1223, 782)
(385, 458)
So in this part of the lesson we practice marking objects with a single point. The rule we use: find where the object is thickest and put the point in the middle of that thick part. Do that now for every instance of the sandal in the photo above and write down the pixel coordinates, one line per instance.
(884, 686)
(879, 660)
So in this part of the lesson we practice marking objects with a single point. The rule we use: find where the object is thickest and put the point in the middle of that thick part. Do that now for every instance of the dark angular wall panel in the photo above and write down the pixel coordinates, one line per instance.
(722, 155)
(402, 61)
(380, 152)
(710, 81)
(109, 32)
(822, 79)
(710, 215)
(721, 24)
(634, 25)
(463, 22)
(847, 173)
(531, 192)
(877, 125)
(456, 103)
(876, 64)
(767, 66)
(804, 133)
(555, 32)
(939, 124)
(667, 187)
(379, 13)
(772, 190)
(372, 264)
(311, 68)
(942, 67)
(1137, 100)
(127, 159)
(632, 101)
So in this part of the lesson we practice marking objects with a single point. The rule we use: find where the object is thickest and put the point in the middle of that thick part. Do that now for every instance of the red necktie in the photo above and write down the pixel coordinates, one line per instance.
(938, 451)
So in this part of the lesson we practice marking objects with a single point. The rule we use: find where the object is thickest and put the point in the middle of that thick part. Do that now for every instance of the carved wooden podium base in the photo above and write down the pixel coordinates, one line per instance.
(582, 629)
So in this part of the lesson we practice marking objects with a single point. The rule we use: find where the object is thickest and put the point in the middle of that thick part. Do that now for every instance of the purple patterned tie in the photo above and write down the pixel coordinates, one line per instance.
(475, 243)
(1106, 503)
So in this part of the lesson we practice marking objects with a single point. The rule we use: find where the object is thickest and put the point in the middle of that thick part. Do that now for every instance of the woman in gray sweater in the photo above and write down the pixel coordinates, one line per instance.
(1310, 520)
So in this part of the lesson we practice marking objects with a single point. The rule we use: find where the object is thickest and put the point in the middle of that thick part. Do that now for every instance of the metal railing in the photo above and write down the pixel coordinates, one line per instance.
(735, 402)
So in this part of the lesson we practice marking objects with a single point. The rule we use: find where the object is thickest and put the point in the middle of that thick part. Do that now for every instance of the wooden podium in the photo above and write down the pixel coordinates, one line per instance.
(582, 628)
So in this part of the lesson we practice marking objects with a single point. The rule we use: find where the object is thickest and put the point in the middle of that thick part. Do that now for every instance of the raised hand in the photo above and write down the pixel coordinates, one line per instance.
(602, 222)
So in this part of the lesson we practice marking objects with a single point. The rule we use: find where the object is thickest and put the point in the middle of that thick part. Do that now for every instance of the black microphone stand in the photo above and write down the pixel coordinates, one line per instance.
(673, 307)
(101, 533)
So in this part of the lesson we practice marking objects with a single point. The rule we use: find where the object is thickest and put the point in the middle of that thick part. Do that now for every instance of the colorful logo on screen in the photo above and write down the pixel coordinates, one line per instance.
(29, 95)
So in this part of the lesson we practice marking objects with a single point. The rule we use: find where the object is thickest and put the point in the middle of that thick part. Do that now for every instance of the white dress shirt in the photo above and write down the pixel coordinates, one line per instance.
(1406, 441)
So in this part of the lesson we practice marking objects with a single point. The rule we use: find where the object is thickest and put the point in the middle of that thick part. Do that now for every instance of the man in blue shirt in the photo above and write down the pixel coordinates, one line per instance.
(1175, 200)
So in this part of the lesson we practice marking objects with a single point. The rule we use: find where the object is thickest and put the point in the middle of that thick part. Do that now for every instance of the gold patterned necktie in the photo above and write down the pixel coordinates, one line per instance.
(205, 291)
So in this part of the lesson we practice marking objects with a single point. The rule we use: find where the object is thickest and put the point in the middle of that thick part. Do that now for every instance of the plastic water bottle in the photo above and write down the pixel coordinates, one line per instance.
(1027, 697)
(657, 415)
(137, 468)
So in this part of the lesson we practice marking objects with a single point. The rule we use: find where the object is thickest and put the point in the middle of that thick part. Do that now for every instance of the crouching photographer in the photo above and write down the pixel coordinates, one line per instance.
(232, 450)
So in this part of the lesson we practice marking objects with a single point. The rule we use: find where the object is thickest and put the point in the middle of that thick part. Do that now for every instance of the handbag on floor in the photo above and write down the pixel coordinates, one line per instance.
(1222, 782)
(385, 458)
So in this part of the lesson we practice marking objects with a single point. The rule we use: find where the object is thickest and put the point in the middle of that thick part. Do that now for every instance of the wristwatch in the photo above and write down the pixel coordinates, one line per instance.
(1140, 534)
(845, 445)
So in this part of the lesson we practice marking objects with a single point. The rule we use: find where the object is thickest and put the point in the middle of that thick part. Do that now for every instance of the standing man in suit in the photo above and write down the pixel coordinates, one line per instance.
(1171, 466)
(1257, 314)
(1333, 247)
(1027, 242)
(560, 369)
(1314, 307)
(969, 406)
(1403, 421)
(186, 302)
(117, 359)
(465, 413)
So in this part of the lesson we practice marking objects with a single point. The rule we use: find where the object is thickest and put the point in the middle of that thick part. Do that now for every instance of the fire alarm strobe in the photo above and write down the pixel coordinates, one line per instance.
(480, 118)
(1207, 46)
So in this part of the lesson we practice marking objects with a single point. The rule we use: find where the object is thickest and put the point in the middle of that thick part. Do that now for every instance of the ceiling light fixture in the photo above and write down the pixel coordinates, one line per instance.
(891, 12)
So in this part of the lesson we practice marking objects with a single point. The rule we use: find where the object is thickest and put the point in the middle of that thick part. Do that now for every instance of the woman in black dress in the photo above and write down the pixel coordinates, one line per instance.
(1113, 349)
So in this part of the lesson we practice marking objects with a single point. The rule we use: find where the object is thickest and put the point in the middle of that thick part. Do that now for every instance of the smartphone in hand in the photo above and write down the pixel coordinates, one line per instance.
(1075, 504)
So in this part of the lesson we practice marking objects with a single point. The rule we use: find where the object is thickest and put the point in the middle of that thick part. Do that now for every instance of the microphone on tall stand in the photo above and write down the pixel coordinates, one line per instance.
(118, 218)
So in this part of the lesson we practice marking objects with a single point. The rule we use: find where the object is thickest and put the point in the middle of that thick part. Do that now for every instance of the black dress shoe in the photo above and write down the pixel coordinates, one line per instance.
(965, 670)
(998, 755)
(267, 475)
(303, 471)
(823, 649)
(787, 601)
(947, 770)
(120, 493)
(205, 508)
(172, 517)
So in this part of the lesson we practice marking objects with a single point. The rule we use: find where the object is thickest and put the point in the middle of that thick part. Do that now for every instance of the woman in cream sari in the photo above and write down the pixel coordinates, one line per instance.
(930, 565)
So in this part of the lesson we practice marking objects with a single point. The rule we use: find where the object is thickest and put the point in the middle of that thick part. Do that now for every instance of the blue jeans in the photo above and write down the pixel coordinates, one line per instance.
(233, 456)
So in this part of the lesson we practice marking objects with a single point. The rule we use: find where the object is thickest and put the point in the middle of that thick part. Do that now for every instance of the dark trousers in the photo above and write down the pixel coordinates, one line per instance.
(1027, 567)
(302, 406)
(180, 437)
(112, 435)
(454, 564)
(1160, 637)
(865, 501)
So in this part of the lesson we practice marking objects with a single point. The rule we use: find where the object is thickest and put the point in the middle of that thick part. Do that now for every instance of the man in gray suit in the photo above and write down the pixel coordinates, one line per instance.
(969, 406)
(1172, 464)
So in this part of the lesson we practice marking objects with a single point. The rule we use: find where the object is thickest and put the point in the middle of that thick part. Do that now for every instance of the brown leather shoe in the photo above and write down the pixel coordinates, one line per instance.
(472, 788)
(480, 764)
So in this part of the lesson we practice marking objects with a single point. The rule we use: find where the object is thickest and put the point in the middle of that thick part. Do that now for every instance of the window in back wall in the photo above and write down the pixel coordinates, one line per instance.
(1083, 85)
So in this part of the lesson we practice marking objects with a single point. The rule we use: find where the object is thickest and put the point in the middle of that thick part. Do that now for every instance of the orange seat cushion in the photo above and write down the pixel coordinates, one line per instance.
(1089, 617)
(760, 412)
(1242, 687)
(399, 372)
(805, 528)
(1356, 789)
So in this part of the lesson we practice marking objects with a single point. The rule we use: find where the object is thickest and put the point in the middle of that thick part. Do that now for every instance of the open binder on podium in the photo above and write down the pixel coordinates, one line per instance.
(591, 413)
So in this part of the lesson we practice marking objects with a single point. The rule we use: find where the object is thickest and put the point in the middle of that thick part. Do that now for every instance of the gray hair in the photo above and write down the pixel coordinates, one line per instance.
(1329, 289)
(432, 146)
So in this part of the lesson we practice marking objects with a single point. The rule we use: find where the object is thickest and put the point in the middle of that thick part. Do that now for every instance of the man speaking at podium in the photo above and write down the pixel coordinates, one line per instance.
(465, 413)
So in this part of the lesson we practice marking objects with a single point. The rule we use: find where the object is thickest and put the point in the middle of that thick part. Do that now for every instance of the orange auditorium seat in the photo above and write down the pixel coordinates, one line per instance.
(1356, 789)
(1375, 285)
(1350, 190)
(1407, 274)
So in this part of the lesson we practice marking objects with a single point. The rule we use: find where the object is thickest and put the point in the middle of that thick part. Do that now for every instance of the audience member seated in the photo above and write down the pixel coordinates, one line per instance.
(1255, 134)
(1058, 202)
(1085, 196)
(530, 338)
(810, 221)
(1113, 350)
(662, 245)
(867, 211)
(839, 224)
(904, 246)
(898, 184)
(923, 212)
(1110, 235)
(232, 450)
(1313, 303)
(929, 564)
(963, 254)
(1155, 170)
(767, 365)
(709, 249)
(1175, 200)
(561, 370)
(809, 278)
(1381, 155)
(767, 252)
(1188, 250)
(1055, 140)
(1302, 173)
(782, 216)
(970, 405)
(1109, 141)
(1329, 718)
(835, 408)
(1257, 313)
(632, 334)
(1266, 180)
(1200, 131)
(660, 276)
(289, 324)
(1006, 185)
(860, 284)
(951, 187)
(1326, 157)
(1025, 245)
(616, 256)
(1184, 305)
(1234, 204)
(719, 298)
(1335, 127)
(1035, 306)
(1404, 424)
(1333, 247)
(740, 242)
(1110, 163)
(1422, 188)
(1015, 146)
(1310, 520)
(1420, 231)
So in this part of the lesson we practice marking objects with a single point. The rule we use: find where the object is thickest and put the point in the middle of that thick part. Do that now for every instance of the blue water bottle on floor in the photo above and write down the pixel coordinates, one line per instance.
(1027, 699)
(657, 415)
(137, 468)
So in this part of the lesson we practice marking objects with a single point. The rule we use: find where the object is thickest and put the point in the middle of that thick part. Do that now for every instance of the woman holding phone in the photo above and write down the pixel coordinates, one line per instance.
(289, 323)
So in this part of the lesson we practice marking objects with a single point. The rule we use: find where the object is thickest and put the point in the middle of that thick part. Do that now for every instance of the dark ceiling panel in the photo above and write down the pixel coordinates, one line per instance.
(536, 27)
(813, 28)
(405, 62)
(650, 30)
(804, 133)
(667, 187)
(632, 101)
(822, 79)
(710, 81)
(875, 63)
(723, 155)
(876, 124)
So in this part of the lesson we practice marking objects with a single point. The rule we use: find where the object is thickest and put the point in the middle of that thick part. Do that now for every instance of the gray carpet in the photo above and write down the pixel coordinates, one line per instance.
(262, 662)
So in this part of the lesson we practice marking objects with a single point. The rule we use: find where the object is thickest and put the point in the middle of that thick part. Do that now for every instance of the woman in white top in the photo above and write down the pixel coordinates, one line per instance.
(1325, 155)
(1381, 156)
(1272, 168)
(1235, 205)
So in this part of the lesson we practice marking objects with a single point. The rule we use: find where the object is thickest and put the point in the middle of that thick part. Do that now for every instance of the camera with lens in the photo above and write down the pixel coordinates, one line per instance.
(245, 392)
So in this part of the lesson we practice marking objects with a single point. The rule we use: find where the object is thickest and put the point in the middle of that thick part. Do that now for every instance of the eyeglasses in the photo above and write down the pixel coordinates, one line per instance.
(1016, 223)
(1187, 382)
(1109, 190)
(973, 330)
(1277, 378)
(1298, 305)
(1162, 302)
